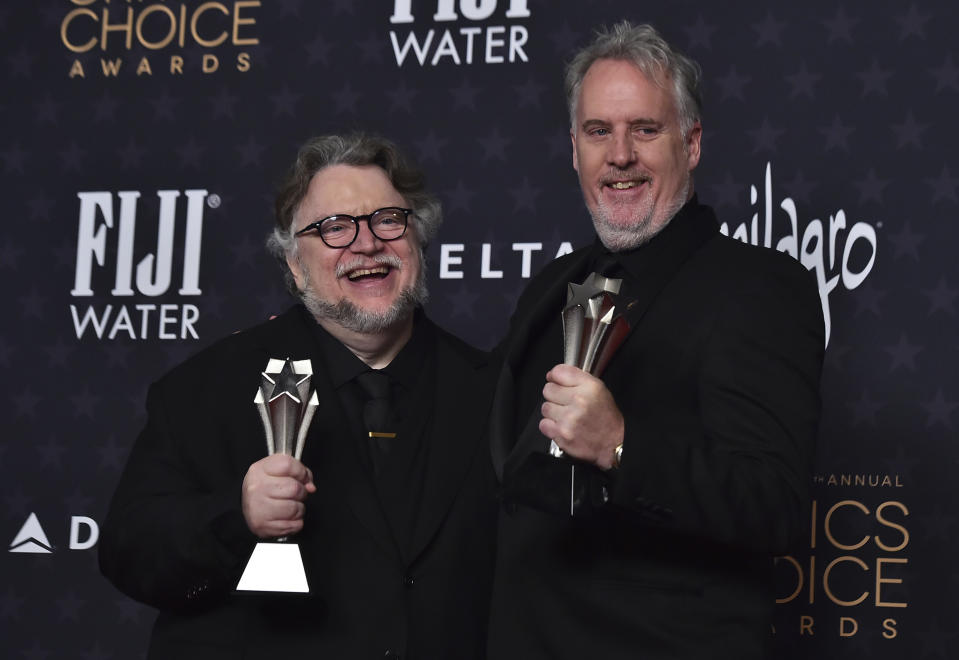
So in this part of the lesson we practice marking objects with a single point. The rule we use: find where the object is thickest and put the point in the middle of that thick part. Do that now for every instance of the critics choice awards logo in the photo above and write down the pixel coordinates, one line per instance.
(143, 38)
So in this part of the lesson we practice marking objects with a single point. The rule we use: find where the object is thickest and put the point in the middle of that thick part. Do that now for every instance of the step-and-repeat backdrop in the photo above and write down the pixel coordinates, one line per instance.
(142, 141)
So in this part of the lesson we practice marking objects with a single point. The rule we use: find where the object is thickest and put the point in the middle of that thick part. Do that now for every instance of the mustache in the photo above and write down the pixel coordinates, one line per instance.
(613, 176)
(390, 260)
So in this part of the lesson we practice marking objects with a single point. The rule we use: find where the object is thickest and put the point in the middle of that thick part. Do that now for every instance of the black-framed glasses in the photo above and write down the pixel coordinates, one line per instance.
(340, 230)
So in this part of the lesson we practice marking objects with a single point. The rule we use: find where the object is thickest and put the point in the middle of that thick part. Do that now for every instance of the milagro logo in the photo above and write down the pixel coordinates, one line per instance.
(465, 44)
(225, 31)
(825, 248)
(106, 245)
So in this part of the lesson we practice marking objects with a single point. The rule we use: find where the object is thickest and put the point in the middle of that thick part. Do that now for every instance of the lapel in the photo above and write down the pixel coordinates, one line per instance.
(461, 400)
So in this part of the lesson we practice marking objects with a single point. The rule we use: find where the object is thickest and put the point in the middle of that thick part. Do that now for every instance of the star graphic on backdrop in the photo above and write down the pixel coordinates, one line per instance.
(371, 48)
(402, 97)
(164, 106)
(868, 298)
(113, 454)
(939, 410)
(871, 187)
(84, 402)
(464, 94)
(935, 640)
(947, 75)
(912, 24)
(58, 353)
(564, 39)
(460, 198)
(71, 158)
(250, 151)
(803, 82)
(524, 196)
(943, 297)
(864, 410)
(839, 27)
(96, 653)
(10, 254)
(6, 349)
(799, 188)
(318, 50)
(903, 354)
(462, 302)
(558, 146)
(190, 153)
(51, 451)
(117, 354)
(78, 501)
(529, 93)
(909, 132)
(224, 103)
(902, 462)
(131, 154)
(837, 134)
(346, 98)
(128, 610)
(699, 33)
(32, 304)
(245, 251)
(13, 159)
(289, 8)
(69, 606)
(40, 206)
(769, 30)
(17, 504)
(733, 83)
(906, 242)
(944, 186)
(284, 102)
(10, 605)
(21, 63)
(46, 110)
(430, 146)
(764, 138)
(727, 192)
(494, 145)
(105, 108)
(874, 79)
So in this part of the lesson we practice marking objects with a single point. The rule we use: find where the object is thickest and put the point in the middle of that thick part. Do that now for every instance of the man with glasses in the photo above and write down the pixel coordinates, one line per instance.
(392, 503)
(685, 467)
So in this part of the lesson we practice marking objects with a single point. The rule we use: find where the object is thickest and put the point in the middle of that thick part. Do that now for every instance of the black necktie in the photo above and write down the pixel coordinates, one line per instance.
(376, 415)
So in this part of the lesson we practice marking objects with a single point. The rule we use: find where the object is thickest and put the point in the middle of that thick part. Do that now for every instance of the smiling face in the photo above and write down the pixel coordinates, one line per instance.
(371, 285)
(633, 162)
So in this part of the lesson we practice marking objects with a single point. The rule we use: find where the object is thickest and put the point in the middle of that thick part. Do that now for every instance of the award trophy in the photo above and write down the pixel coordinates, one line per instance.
(593, 327)
(286, 407)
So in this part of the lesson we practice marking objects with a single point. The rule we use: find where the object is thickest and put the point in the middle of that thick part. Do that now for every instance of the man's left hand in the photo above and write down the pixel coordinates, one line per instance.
(581, 416)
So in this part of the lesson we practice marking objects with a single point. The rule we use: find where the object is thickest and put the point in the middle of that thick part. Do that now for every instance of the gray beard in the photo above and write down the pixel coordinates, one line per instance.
(347, 315)
(620, 238)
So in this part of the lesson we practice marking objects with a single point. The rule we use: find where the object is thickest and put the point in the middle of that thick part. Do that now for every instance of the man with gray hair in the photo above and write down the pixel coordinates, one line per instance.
(643, 506)
(392, 504)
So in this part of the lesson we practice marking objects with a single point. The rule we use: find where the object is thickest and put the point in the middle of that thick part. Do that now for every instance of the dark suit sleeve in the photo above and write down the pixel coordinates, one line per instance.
(734, 467)
(175, 537)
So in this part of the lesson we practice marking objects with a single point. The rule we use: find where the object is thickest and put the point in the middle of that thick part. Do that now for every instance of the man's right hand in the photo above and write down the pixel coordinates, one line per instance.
(274, 490)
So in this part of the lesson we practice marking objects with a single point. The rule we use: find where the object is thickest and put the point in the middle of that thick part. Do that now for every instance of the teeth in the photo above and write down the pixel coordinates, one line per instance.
(623, 185)
(368, 271)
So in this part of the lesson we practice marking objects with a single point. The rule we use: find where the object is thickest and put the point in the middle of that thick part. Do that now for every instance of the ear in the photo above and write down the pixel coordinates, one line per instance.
(693, 145)
(572, 138)
(294, 265)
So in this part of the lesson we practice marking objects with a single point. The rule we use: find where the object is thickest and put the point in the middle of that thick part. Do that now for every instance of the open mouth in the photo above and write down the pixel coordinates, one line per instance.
(366, 274)
(625, 185)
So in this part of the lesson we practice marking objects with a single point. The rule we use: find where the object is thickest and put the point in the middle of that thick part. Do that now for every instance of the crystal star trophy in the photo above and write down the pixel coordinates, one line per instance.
(286, 406)
(593, 327)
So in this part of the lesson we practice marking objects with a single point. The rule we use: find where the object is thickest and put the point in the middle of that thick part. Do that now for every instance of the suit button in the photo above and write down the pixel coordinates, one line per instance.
(408, 580)
(393, 655)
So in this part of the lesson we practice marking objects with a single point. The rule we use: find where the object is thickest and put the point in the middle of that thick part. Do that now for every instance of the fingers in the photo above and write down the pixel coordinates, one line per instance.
(273, 495)
(282, 465)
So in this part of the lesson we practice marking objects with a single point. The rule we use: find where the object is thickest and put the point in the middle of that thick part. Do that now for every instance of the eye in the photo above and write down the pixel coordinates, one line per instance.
(333, 226)
(599, 132)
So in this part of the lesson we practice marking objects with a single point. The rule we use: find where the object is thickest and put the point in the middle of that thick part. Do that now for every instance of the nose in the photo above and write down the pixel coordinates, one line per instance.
(366, 242)
(621, 152)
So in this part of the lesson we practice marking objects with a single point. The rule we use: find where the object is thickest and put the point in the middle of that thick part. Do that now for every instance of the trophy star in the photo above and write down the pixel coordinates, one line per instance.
(579, 294)
(285, 382)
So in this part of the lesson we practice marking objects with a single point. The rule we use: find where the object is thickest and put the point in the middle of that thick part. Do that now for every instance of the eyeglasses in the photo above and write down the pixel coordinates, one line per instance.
(340, 230)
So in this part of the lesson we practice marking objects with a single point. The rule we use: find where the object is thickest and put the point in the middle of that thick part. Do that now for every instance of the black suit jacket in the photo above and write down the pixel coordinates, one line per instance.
(669, 556)
(175, 537)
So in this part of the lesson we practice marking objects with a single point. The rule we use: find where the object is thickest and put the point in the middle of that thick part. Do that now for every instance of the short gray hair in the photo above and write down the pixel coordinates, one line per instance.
(358, 150)
(645, 48)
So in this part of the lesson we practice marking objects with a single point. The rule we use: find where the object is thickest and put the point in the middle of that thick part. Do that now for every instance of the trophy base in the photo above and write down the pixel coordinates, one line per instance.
(276, 567)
